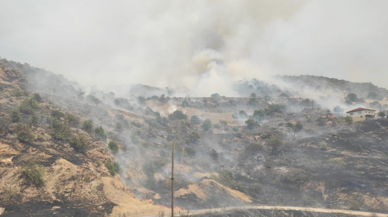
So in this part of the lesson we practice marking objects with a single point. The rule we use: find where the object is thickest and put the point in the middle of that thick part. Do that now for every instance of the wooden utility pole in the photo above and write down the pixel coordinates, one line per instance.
(172, 180)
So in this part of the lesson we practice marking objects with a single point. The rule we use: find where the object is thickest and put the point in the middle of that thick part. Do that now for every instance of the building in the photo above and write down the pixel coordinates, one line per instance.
(362, 114)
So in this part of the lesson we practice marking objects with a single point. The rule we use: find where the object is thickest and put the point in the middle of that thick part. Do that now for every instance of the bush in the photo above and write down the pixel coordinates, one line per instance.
(251, 124)
(78, 143)
(100, 134)
(337, 163)
(207, 124)
(296, 177)
(113, 168)
(253, 148)
(28, 106)
(15, 116)
(275, 142)
(37, 97)
(381, 114)
(258, 115)
(193, 137)
(59, 130)
(189, 151)
(151, 167)
(87, 126)
(214, 155)
(24, 133)
(253, 95)
(33, 121)
(253, 102)
(18, 93)
(348, 119)
(323, 146)
(177, 115)
(215, 95)
(113, 146)
(354, 205)
(57, 114)
(72, 120)
(195, 120)
(351, 97)
(240, 115)
(32, 174)
(226, 178)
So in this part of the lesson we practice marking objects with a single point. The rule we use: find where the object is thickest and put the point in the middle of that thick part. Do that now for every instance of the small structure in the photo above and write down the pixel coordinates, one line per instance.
(362, 114)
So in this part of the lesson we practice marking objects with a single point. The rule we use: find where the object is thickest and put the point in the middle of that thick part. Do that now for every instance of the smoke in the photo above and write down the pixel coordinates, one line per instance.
(179, 44)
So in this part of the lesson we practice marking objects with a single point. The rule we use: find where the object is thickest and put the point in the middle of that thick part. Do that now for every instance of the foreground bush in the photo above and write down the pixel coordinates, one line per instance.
(113, 168)
(113, 146)
(72, 120)
(59, 130)
(87, 126)
(24, 133)
(32, 174)
(177, 115)
(79, 143)
(100, 134)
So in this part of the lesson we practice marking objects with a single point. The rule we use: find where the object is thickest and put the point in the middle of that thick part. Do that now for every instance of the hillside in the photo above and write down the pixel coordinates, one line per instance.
(103, 155)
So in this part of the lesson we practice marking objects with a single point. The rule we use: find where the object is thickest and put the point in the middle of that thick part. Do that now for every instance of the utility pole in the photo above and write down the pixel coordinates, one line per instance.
(172, 180)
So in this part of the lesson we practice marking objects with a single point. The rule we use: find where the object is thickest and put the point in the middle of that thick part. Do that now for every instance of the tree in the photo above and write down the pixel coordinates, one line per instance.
(37, 97)
(258, 115)
(113, 146)
(207, 124)
(352, 97)
(349, 119)
(372, 95)
(78, 143)
(251, 124)
(15, 116)
(381, 114)
(253, 102)
(338, 109)
(87, 126)
(214, 155)
(193, 137)
(215, 95)
(275, 142)
(189, 151)
(295, 127)
(195, 120)
(100, 134)
(93, 99)
(72, 120)
(177, 115)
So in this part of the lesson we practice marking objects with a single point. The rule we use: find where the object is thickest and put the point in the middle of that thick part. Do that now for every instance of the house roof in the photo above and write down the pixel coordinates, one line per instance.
(360, 109)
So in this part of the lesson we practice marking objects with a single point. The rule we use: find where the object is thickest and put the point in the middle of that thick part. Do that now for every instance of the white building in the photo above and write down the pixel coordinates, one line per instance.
(362, 114)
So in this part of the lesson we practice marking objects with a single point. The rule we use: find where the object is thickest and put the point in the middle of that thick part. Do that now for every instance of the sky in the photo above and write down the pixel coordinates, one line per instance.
(203, 45)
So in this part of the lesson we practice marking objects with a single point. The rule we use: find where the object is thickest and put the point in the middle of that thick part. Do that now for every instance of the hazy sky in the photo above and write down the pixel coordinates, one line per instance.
(197, 43)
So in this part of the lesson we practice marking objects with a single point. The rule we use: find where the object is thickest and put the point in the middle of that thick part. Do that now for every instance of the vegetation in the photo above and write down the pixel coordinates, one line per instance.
(275, 142)
(354, 205)
(253, 102)
(214, 155)
(215, 95)
(295, 127)
(113, 146)
(337, 163)
(79, 143)
(274, 108)
(258, 115)
(253, 95)
(323, 146)
(93, 99)
(28, 106)
(33, 121)
(373, 95)
(207, 124)
(177, 115)
(57, 114)
(100, 134)
(151, 167)
(251, 124)
(253, 148)
(32, 174)
(72, 120)
(381, 114)
(37, 97)
(136, 124)
(195, 120)
(240, 115)
(24, 133)
(338, 109)
(59, 130)
(349, 119)
(190, 152)
(194, 136)
(226, 178)
(15, 116)
(113, 168)
(87, 126)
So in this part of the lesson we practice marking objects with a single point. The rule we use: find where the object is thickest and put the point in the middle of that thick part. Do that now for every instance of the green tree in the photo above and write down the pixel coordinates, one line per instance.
(381, 114)
(338, 109)
(207, 124)
(190, 152)
(113, 168)
(226, 177)
(32, 174)
(37, 97)
(87, 126)
(193, 137)
(295, 127)
(113, 146)
(100, 134)
(258, 115)
(28, 106)
(79, 143)
(251, 124)
(195, 120)
(214, 155)
(351, 97)
(59, 130)
(177, 115)
(93, 99)
(33, 121)
(15, 116)
(275, 142)
(215, 95)
(72, 120)
(24, 133)
(253, 102)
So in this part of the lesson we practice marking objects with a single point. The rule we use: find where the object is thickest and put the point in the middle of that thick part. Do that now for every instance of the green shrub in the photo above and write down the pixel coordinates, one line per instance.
(24, 133)
(207, 124)
(251, 124)
(275, 142)
(349, 120)
(79, 143)
(193, 137)
(28, 106)
(59, 130)
(32, 174)
(274, 108)
(323, 146)
(57, 114)
(258, 115)
(189, 151)
(72, 120)
(100, 134)
(195, 120)
(296, 177)
(177, 115)
(113, 168)
(87, 126)
(215, 95)
(226, 177)
(18, 93)
(253, 102)
(37, 97)
(113, 146)
(33, 121)
(15, 116)
(337, 163)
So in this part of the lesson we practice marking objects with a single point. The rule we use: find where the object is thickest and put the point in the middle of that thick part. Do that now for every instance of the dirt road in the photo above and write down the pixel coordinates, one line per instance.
(306, 209)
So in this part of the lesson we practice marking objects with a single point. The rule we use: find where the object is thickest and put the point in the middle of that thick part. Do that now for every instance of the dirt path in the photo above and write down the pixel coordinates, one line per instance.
(305, 209)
